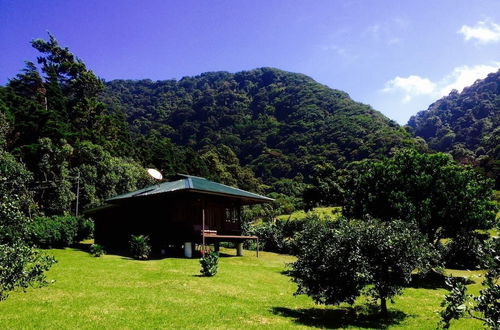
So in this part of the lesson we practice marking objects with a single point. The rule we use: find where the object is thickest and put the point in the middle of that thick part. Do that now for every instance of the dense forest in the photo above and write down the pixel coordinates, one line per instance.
(466, 125)
(278, 124)
(266, 130)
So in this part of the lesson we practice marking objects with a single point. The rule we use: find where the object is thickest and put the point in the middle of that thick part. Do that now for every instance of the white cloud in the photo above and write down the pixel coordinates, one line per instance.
(464, 76)
(460, 77)
(388, 32)
(373, 31)
(393, 41)
(484, 32)
(411, 86)
(337, 49)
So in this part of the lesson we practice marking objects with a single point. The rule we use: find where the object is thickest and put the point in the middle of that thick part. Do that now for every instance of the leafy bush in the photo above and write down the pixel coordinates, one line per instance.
(59, 231)
(85, 229)
(343, 259)
(21, 267)
(140, 247)
(464, 251)
(484, 306)
(97, 250)
(48, 232)
(209, 264)
(270, 235)
(278, 236)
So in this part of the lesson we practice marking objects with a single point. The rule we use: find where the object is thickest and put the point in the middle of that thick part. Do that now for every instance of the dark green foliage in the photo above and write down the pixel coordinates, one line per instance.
(289, 194)
(279, 236)
(209, 263)
(58, 100)
(277, 123)
(103, 175)
(339, 260)
(55, 119)
(140, 247)
(486, 305)
(230, 128)
(97, 250)
(15, 199)
(466, 124)
(453, 302)
(464, 251)
(442, 198)
(270, 235)
(325, 187)
(85, 229)
(22, 267)
(55, 187)
(59, 231)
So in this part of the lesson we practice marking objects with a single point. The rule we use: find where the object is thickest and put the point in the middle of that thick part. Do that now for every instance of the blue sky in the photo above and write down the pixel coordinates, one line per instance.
(398, 56)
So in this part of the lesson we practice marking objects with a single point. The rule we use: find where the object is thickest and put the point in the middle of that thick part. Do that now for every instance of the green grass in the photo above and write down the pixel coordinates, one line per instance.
(117, 292)
(322, 212)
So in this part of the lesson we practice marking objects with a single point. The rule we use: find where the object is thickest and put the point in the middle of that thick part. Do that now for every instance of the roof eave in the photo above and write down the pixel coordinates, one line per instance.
(254, 200)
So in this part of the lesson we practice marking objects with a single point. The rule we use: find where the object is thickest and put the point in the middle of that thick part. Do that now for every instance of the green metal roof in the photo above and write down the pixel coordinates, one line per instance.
(194, 184)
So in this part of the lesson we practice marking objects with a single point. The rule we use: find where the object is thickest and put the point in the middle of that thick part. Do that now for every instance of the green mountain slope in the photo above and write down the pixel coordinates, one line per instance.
(278, 123)
(466, 124)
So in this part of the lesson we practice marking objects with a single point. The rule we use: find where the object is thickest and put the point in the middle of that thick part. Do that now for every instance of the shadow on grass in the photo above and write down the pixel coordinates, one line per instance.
(226, 255)
(432, 280)
(81, 246)
(125, 254)
(361, 317)
(286, 272)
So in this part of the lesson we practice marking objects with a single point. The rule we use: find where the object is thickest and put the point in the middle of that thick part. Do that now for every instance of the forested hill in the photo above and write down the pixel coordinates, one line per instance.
(278, 123)
(466, 124)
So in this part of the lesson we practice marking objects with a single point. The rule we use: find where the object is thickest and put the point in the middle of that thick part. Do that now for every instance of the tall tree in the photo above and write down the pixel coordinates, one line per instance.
(21, 266)
(442, 198)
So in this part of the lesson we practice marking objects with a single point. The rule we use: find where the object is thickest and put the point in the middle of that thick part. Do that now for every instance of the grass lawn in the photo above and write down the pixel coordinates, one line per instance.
(322, 212)
(117, 292)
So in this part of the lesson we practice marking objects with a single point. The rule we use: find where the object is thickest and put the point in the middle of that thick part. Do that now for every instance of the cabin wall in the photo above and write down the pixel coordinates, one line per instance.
(167, 221)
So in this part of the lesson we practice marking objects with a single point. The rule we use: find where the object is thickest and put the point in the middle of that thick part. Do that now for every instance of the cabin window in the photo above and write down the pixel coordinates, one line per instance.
(232, 214)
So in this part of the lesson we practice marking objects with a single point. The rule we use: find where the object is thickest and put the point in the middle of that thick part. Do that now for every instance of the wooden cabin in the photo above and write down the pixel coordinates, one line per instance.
(173, 214)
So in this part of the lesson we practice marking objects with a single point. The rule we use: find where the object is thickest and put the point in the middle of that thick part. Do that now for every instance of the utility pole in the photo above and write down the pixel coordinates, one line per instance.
(203, 233)
(77, 190)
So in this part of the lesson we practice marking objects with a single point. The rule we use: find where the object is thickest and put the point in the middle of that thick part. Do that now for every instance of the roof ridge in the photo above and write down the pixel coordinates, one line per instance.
(187, 176)
(191, 183)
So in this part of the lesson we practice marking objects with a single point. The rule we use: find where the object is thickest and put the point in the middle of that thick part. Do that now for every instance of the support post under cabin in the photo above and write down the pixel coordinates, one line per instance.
(239, 249)
(188, 249)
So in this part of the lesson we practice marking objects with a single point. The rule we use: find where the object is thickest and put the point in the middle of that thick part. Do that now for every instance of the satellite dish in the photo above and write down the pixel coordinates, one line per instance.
(155, 174)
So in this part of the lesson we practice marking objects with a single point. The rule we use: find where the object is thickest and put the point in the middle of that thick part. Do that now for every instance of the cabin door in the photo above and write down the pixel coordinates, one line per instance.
(214, 214)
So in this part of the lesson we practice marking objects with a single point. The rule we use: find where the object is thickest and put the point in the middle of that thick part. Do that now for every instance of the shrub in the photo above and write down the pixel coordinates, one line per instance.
(22, 267)
(139, 246)
(279, 236)
(484, 306)
(270, 235)
(85, 229)
(56, 231)
(60, 231)
(209, 264)
(463, 252)
(97, 250)
(341, 260)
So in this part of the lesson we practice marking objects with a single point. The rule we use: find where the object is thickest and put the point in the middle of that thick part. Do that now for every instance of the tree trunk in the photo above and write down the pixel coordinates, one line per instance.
(383, 307)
